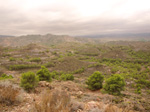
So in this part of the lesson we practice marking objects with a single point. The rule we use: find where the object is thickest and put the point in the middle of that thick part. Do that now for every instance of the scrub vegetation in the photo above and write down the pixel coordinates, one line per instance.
(113, 73)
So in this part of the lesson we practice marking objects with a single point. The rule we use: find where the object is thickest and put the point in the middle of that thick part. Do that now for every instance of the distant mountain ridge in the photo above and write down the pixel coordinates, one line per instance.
(6, 36)
(50, 39)
(122, 35)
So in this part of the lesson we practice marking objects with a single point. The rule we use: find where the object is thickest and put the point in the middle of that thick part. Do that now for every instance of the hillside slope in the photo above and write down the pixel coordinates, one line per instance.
(47, 40)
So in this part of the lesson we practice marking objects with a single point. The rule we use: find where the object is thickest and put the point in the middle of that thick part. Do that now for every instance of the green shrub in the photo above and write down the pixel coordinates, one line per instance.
(144, 82)
(4, 76)
(78, 71)
(21, 59)
(69, 54)
(148, 91)
(66, 77)
(95, 81)
(54, 53)
(35, 60)
(12, 59)
(95, 65)
(138, 90)
(49, 64)
(115, 84)
(114, 70)
(44, 74)
(56, 75)
(5, 55)
(29, 81)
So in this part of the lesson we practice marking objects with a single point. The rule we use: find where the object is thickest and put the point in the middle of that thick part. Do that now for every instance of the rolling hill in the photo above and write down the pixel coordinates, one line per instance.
(47, 40)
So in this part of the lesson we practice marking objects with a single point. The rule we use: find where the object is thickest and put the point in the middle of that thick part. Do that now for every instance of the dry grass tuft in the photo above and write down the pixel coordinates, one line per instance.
(112, 108)
(56, 101)
(9, 93)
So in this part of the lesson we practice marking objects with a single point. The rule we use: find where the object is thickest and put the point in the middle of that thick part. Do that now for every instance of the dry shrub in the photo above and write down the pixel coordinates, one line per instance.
(112, 108)
(8, 93)
(56, 101)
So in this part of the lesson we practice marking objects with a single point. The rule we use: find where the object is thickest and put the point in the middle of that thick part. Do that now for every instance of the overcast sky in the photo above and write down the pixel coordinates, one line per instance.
(74, 17)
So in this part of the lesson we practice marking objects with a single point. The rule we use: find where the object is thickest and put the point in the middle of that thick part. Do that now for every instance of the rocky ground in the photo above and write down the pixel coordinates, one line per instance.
(82, 99)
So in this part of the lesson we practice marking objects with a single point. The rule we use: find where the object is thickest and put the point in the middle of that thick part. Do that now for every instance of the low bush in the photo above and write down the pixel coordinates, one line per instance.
(5, 55)
(4, 76)
(66, 77)
(95, 81)
(138, 90)
(35, 60)
(95, 65)
(29, 81)
(145, 83)
(69, 54)
(21, 59)
(12, 59)
(44, 74)
(114, 84)
(56, 75)
(114, 70)
(49, 64)
(78, 71)
(54, 53)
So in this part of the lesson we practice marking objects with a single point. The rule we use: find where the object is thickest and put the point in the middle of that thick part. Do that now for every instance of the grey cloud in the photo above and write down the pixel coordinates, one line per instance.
(65, 20)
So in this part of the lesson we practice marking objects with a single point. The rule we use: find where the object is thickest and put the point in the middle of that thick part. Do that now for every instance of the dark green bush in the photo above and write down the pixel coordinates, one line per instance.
(115, 84)
(56, 74)
(29, 81)
(44, 74)
(95, 81)
(66, 77)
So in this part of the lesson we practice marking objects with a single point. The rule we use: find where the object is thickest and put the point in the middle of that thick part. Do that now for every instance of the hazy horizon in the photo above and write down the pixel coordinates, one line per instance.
(74, 17)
